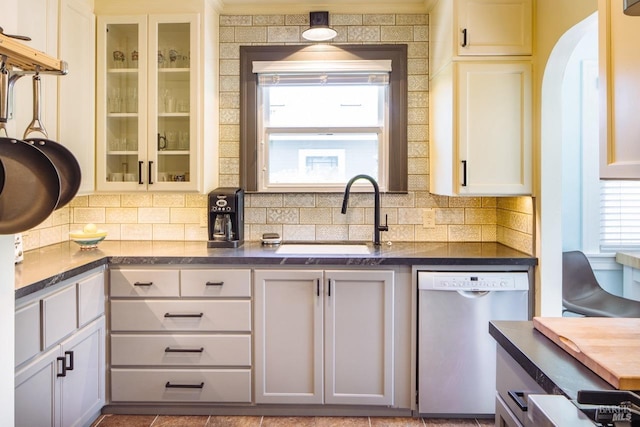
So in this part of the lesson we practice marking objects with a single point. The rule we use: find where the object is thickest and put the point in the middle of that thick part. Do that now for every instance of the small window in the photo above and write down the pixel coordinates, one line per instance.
(310, 122)
(619, 215)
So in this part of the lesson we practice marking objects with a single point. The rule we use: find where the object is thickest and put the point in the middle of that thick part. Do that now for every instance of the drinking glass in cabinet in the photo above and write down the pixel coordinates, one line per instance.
(134, 58)
(118, 58)
(132, 100)
(183, 140)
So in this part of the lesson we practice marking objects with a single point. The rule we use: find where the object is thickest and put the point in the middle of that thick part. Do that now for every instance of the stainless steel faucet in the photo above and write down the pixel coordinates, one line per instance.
(377, 228)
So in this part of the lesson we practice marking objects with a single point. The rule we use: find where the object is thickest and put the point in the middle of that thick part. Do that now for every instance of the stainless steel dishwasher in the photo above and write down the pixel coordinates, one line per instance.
(456, 354)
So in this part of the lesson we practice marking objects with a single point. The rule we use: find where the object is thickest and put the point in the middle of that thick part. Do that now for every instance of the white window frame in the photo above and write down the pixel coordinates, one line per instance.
(328, 67)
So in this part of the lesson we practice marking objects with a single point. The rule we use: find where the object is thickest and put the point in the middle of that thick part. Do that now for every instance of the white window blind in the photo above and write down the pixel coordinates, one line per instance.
(619, 215)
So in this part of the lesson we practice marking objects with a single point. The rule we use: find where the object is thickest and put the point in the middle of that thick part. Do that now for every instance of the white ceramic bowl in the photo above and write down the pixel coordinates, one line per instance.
(88, 240)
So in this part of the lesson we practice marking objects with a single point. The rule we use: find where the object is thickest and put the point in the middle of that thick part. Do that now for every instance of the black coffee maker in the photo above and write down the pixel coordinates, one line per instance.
(226, 218)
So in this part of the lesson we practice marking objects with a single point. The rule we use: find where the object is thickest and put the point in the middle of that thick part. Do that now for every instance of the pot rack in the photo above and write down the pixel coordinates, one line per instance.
(19, 60)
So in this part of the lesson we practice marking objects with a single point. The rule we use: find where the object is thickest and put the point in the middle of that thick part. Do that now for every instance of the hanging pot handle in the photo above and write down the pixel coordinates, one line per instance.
(4, 96)
(36, 124)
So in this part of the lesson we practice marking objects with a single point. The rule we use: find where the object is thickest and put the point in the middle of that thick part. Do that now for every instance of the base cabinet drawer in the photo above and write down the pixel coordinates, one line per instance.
(181, 385)
(172, 315)
(144, 283)
(215, 283)
(171, 350)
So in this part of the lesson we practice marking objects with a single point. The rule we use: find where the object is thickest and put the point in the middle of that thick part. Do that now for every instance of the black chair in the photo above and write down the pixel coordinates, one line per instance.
(581, 293)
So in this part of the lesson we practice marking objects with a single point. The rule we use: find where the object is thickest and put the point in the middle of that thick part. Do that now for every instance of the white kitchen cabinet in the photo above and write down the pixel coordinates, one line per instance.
(479, 28)
(61, 382)
(480, 108)
(76, 121)
(180, 335)
(619, 90)
(341, 325)
(156, 126)
(480, 129)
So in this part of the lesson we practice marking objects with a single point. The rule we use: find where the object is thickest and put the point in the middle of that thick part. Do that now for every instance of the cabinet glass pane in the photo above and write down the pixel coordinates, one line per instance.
(122, 102)
(174, 75)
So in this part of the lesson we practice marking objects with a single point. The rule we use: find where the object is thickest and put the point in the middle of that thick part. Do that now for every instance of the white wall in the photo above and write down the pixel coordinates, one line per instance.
(7, 334)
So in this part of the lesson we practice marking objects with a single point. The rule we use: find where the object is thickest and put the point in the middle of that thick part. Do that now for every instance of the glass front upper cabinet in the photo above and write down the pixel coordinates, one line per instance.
(146, 105)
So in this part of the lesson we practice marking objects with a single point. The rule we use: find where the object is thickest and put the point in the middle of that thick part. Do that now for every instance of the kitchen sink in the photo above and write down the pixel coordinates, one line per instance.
(323, 249)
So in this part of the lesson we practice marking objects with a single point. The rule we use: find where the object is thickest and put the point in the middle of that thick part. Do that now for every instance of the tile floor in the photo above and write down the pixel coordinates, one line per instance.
(257, 421)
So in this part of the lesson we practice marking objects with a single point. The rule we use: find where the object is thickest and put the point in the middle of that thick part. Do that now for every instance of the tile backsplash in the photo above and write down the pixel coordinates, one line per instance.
(160, 216)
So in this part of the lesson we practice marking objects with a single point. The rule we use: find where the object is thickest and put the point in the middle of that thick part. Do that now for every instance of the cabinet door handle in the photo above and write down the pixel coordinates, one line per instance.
(214, 283)
(70, 354)
(329, 290)
(63, 365)
(143, 284)
(464, 173)
(184, 350)
(518, 397)
(150, 164)
(140, 172)
(169, 385)
(183, 315)
(464, 38)
(318, 287)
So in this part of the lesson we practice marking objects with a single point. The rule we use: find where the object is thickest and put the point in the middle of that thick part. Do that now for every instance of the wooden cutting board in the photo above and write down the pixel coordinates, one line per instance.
(610, 347)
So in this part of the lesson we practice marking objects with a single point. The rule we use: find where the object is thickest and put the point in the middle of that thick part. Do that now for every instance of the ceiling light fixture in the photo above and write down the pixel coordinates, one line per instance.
(319, 29)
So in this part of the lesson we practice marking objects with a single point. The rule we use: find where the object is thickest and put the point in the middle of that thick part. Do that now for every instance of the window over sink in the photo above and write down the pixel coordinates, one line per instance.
(314, 116)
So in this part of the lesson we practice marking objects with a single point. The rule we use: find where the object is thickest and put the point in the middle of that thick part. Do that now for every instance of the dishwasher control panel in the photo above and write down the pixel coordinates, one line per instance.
(472, 281)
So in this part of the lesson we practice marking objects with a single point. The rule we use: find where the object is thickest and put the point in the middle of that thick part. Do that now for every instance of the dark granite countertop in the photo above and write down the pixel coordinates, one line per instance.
(52, 264)
(556, 371)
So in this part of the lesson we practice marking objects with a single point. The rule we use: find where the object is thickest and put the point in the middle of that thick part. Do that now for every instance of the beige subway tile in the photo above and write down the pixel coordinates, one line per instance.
(136, 232)
(332, 232)
(290, 34)
(437, 234)
(153, 215)
(137, 200)
(515, 221)
(168, 232)
(418, 50)
(465, 202)
(229, 116)
(315, 215)
(396, 33)
(364, 33)
(246, 35)
(412, 19)
(196, 200)
(255, 215)
(390, 213)
(229, 50)
(418, 182)
(226, 35)
(79, 202)
(361, 232)
(31, 240)
(298, 232)
(489, 202)
(449, 216)
(52, 235)
(397, 233)
(417, 83)
(88, 215)
(257, 230)
(465, 233)
(480, 216)
(104, 200)
(235, 20)
(162, 200)
(430, 200)
(229, 100)
(229, 67)
(121, 215)
(419, 133)
(194, 233)
(391, 200)
(418, 67)
(410, 216)
(420, 33)
(268, 20)
(379, 19)
(229, 166)
(266, 200)
(489, 232)
(283, 216)
(418, 99)
(113, 231)
(299, 200)
(417, 116)
(418, 165)
(297, 19)
(229, 149)
(515, 239)
(60, 216)
(353, 216)
(229, 84)
(185, 215)
(330, 200)
(345, 19)
(229, 181)
(230, 133)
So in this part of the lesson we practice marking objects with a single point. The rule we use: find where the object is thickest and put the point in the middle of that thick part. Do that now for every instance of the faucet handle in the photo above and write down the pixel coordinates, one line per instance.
(384, 227)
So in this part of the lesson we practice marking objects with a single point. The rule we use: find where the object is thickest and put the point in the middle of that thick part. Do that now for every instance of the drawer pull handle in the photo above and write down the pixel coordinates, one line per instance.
(143, 284)
(215, 283)
(183, 350)
(169, 385)
(70, 354)
(63, 365)
(183, 315)
(519, 398)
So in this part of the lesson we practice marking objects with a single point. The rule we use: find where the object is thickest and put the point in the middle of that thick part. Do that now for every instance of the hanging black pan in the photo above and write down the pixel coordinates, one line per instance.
(31, 183)
(65, 162)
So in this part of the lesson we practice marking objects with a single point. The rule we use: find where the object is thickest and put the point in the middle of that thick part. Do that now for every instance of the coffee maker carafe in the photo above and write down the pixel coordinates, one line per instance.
(226, 218)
